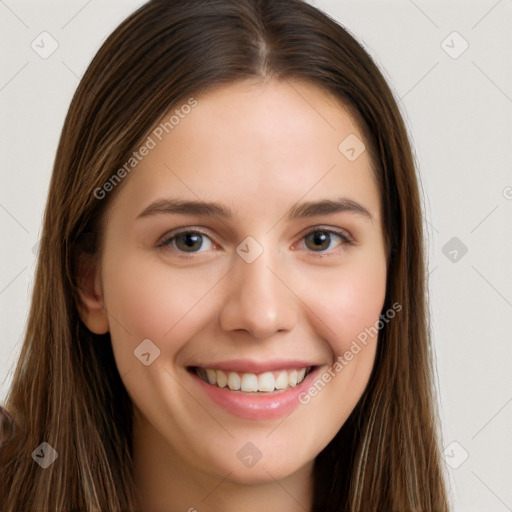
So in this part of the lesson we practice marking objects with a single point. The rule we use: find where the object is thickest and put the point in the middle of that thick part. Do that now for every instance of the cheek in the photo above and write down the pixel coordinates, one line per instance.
(342, 303)
(154, 301)
(349, 306)
(349, 301)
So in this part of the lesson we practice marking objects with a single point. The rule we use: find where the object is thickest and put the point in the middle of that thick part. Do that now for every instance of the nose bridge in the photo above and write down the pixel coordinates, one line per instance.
(257, 300)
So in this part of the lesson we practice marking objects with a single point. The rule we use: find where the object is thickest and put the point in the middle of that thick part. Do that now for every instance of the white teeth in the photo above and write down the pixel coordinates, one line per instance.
(222, 379)
(210, 374)
(250, 382)
(282, 380)
(266, 382)
(234, 381)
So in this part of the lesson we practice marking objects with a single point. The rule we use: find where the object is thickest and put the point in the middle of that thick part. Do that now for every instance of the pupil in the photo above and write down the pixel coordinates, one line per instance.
(189, 239)
(321, 238)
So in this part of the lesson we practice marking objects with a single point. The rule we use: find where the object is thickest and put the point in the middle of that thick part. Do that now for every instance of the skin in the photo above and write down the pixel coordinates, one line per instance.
(258, 148)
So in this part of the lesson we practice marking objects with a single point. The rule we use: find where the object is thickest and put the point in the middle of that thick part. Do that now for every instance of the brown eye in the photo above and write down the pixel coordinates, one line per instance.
(188, 241)
(321, 239)
(318, 240)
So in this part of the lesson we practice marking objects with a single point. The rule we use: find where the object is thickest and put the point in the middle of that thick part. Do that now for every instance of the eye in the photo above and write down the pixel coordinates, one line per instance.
(192, 241)
(189, 241)
(321, 240)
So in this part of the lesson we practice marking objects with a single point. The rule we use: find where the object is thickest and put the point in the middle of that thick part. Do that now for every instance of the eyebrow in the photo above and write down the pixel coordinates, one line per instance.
(212, 209)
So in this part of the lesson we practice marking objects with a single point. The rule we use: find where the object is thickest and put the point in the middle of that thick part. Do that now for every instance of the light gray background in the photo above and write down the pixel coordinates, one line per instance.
(459, 114)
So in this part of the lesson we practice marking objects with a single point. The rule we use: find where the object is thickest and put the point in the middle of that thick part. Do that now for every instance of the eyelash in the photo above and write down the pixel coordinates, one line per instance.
(343, 235)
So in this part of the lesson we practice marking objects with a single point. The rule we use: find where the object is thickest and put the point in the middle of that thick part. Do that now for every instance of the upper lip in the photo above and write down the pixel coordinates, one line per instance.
(253, 366)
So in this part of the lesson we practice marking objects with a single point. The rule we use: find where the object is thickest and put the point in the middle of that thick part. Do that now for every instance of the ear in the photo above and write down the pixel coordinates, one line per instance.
(91, 307)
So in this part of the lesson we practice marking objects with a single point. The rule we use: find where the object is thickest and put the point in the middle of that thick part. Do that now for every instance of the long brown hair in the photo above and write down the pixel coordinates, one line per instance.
(66, 389)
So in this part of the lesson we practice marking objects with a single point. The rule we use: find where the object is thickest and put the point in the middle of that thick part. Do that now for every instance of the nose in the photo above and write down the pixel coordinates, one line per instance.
(258, 299)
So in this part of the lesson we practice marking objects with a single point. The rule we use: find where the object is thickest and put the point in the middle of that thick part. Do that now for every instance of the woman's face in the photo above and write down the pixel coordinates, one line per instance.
(222, 267)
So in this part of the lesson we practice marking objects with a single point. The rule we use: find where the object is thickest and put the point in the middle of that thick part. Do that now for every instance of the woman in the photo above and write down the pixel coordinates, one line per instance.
(258, 372)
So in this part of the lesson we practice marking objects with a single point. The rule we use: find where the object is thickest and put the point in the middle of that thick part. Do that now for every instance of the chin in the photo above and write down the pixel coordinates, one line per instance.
(278, 466)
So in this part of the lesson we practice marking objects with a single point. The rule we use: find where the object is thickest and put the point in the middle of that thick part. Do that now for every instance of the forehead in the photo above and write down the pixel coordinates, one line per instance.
(266, 142)
(278, 118)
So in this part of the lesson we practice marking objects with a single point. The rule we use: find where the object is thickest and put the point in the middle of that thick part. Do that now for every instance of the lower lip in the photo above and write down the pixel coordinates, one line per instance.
(252, 406)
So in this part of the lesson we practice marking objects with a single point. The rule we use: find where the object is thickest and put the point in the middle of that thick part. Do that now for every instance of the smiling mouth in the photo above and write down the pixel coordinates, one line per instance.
(257, 383)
